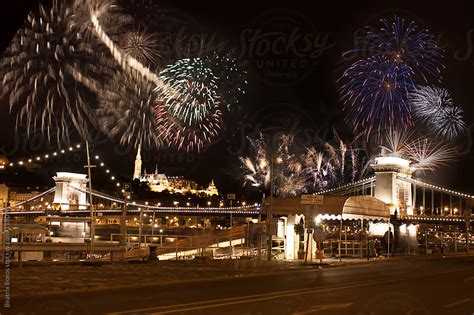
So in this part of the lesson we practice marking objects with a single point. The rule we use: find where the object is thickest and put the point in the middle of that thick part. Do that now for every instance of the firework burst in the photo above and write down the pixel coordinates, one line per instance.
(141, 45)
(396, 143)
(191, 118)
(374, 92)
(127, 111)
(404, 42)
(428, 155)
(196, 87)
(296, 172)
(449, 123)
(185, 134)
(53, 74)
(424, 154)
(257, 167)
(435, 108)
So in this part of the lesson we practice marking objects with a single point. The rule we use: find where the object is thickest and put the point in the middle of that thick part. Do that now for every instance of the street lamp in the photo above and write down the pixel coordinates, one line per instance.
(278, 160)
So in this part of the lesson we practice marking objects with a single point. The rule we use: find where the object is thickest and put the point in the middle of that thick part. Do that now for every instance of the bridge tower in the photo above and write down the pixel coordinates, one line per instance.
(388, 184)
(70, 191)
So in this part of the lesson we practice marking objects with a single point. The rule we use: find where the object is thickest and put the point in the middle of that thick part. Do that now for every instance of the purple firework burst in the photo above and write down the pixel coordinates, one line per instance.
(404, 42)
(374, 92)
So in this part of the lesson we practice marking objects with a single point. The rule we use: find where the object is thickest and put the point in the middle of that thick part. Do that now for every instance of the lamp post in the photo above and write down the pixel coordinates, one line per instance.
(153, 221)
(468, 226)
(92, 212)
(269, 212)
(140, 234)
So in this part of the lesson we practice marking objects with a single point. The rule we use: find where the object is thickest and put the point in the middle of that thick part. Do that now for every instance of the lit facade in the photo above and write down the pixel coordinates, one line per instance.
(390, 189)
(159, 182)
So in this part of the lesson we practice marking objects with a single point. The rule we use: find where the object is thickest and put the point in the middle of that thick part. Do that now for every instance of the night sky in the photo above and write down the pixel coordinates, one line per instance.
(292, 91)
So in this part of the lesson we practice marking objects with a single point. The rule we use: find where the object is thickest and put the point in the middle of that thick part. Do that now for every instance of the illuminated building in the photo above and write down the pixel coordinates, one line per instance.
(159, 182)
(390, 188)
(138, 165)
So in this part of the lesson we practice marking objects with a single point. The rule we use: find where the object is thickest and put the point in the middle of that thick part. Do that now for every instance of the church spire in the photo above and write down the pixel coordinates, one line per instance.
(138, 164)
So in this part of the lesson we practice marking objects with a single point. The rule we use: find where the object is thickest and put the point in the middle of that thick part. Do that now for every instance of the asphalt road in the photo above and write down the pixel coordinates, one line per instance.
(408, 286)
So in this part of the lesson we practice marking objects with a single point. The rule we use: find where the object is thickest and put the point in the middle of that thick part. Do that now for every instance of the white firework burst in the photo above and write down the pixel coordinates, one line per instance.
(141, 45)
(428, 155)
(434, 107)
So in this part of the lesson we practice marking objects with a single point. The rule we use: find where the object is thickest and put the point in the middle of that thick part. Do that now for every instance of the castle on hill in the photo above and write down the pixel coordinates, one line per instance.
(159, 182)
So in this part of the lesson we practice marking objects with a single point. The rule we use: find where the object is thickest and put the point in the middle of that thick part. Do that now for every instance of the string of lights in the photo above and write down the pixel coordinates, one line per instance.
(55, 154)
(39, 158)
(362, 181)
(438, 188)
(159, 207)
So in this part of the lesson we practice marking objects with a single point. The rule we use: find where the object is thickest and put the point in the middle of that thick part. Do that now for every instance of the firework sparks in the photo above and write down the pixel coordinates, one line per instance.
(194, 118)
(99, 13)
(141, 45)
(196, 85)
(50, 70)
(396, 143)
(424, 154)
(449, 123)
(434, 107)
(427, 155)
(404, 42)
(127, 111)
(293, 173)
(257, 168)
(374, 92)
(375, 89)
(187, 135)
(230, 78)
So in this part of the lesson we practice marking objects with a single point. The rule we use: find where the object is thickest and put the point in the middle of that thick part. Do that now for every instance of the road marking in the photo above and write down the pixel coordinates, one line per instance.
(269, 296)
(457, 303)
(323, 308)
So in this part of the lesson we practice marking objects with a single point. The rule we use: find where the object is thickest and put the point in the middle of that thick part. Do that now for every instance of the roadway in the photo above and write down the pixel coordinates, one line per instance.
(402, 286)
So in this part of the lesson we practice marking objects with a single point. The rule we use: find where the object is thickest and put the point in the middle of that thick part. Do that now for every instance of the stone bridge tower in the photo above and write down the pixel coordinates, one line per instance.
(70, 191)
(389, 186)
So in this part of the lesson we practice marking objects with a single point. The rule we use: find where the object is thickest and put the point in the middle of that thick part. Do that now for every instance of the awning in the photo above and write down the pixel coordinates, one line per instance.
(332, 207)
(365, 207)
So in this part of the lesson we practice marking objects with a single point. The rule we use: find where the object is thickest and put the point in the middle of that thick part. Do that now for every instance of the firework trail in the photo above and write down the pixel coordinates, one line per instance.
(96, 11)
(334, 163)
(435, 108)
(127, 111)
(53, 74)
(289, 176)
